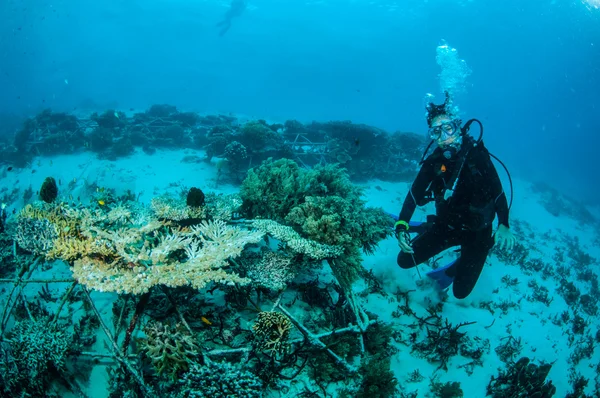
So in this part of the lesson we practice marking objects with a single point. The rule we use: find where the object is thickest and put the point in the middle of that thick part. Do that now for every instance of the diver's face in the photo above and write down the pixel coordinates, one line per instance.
(445, 131)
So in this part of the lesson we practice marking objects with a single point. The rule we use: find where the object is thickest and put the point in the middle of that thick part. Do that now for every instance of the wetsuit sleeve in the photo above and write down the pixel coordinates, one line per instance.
(416, 194)
(496, 190)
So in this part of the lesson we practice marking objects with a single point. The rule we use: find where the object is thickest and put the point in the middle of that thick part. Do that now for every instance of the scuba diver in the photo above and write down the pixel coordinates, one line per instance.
(460, 177)
(236, 8)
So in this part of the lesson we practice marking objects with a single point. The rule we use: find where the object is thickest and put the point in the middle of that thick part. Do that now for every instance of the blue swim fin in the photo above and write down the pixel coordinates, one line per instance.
(441, 277)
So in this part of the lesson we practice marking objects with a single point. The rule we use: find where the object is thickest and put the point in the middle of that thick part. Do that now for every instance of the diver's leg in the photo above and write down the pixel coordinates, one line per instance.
(428, 244)
(474, 251)
(225, 28)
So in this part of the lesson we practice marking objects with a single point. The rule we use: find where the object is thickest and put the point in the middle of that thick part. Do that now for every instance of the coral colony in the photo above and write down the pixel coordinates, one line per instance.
(262, 292)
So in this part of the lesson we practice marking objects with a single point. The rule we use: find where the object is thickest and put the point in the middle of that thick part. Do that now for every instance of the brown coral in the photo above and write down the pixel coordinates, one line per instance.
(169, 349)
(272, 332)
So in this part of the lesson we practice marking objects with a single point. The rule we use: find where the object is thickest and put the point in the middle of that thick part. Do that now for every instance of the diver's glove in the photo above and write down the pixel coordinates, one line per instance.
(403, 237)
(504, 238)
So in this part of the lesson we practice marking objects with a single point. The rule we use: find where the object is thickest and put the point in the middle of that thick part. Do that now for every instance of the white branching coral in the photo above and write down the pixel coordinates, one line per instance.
(170, 208)
(222, 207)
(127, 253)
(297, 243)
(273, 271)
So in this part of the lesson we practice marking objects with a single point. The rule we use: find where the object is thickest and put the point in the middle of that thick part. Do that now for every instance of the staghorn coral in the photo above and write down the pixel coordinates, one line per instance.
(220, 380)
(170, 349)
(272, 332)
(297, 243)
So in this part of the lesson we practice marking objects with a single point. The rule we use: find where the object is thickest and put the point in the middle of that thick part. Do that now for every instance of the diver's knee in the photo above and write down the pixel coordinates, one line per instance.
(405, 260)
(461, 292)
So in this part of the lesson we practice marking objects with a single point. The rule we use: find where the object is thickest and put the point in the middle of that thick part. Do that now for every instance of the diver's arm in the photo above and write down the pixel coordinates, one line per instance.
(496, 190)
(416, 194)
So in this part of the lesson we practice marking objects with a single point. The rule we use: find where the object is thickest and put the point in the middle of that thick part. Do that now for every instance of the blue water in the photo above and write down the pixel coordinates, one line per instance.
(534, 84)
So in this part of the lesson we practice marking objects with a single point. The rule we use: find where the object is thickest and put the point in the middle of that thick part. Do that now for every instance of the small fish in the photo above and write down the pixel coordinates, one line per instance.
(66, 81)
(116, 115)
(70, 197)
(33, 171)
(39, 163)
(59, 182)
(3, 206)
(101, 202)
(14, 211)
(74, 180)
(79, 199)
(206, 321)
(51, 163)
(9, 168)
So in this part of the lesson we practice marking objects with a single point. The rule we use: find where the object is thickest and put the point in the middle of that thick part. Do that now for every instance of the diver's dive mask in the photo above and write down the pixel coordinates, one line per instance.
(444, 130)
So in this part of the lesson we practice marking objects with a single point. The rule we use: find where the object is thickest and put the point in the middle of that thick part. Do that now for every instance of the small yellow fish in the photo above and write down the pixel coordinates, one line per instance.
(206, 321)
(101, 203)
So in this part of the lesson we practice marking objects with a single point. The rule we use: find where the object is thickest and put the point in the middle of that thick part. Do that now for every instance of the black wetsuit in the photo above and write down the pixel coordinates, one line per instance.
(464, 220)
(236, 8)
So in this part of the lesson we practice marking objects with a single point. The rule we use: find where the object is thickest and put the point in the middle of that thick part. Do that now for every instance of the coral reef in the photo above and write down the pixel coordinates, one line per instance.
(220, 380)
(273, 271)
(129, 250)
(322, 204)
(271, 333)
(295, 242)
(35, 235)
(35, 357)
(170, 349)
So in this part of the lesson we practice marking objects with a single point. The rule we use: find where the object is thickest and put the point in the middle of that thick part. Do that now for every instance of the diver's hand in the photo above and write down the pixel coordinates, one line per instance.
(404, 242)
(504, 238)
